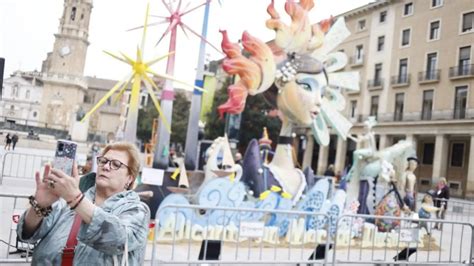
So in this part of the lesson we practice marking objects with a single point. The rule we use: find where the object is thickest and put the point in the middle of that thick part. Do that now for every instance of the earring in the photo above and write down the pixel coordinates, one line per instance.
(127, 186)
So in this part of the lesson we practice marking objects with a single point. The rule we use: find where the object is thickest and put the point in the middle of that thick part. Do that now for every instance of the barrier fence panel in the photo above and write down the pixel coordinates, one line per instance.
(195, 234)
(22, 166)
(11, 250)
(458, 210)
(382, 239)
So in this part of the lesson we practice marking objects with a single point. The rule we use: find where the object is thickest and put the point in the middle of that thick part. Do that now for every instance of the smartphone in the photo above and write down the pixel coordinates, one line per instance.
(65, 156)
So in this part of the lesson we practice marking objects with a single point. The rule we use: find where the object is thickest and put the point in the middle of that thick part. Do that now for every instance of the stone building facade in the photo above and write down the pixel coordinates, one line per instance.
(417, 77)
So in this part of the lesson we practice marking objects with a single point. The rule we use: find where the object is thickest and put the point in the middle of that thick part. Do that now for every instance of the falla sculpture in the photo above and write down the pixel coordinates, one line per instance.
(298, 73)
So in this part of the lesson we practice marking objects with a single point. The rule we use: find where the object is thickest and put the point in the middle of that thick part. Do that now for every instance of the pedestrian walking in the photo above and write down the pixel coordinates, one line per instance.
(8, 141)
(441, 198)
(14, 141)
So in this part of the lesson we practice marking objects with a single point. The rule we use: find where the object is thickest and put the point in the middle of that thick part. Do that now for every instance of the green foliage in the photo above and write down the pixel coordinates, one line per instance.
(215, 125)
(181, 107)
(254, 119)
(179, 124)
(145, 122)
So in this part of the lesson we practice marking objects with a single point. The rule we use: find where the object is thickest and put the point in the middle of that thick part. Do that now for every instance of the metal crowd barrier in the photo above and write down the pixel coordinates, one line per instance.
(241, 235)
(459, 210)
(12, 250)
(22, 166)
(408, 243)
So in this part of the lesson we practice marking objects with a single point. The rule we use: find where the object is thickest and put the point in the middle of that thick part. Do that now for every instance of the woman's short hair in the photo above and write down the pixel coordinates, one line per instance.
(443, 179)
(133, 154)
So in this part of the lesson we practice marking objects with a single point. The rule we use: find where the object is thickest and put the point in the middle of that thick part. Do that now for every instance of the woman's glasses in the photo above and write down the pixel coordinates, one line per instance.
(113, 164)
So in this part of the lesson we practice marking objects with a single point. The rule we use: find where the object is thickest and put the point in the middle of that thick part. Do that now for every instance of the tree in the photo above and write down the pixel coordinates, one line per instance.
(254, 119)
(145, 122)
(180, 114)
(181, 106)
(215, 125)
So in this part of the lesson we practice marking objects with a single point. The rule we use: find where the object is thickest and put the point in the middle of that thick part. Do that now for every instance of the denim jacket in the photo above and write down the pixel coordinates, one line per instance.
(122, 217)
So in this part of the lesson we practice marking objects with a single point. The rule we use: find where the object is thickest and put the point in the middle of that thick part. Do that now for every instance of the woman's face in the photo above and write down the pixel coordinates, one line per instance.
(300, 99)
(110, 178)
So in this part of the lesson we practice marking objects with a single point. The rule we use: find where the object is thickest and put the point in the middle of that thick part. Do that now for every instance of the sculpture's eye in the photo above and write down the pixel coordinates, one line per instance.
(311, 84)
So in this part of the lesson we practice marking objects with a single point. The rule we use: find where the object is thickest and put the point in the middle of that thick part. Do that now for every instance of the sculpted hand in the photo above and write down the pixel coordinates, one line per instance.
(66, 187)
(44, 196)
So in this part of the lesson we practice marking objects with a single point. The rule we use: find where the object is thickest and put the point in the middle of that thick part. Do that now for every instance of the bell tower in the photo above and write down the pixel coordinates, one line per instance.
(70, 47)
(63, 69)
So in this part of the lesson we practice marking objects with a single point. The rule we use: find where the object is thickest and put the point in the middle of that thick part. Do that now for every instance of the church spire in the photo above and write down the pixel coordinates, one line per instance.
(71, 41)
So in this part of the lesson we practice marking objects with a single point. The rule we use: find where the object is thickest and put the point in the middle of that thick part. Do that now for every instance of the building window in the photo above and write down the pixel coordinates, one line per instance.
(374, 106)
(431, 61)
(436, 3)
(14, 90)
(460, 102)
(361, 25)
(109, 101)
(428, 153)
(87, 98)
(427, 106)
(143, 101)
(73, 13)
(464, 60)
(457, 154)
(380, 43)
(383, 16)
(467, 22)
(378, 74)
(27, 95)
(405, 37)
(408, 9)
(403, 71)
(399, 97)
(35, 114)
(359, 52)
(353, 108)
(434, 30)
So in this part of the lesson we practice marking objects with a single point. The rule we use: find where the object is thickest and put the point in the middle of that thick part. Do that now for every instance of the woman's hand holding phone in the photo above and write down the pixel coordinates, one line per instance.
(65, 186)
(44, 195)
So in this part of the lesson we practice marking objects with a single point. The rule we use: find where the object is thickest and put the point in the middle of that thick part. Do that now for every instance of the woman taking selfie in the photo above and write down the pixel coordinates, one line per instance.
(106, 225)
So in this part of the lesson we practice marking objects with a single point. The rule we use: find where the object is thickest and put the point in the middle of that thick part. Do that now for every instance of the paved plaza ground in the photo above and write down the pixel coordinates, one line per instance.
(455, 240)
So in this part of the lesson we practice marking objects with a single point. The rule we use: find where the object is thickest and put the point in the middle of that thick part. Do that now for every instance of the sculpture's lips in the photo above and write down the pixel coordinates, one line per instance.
(314, 114)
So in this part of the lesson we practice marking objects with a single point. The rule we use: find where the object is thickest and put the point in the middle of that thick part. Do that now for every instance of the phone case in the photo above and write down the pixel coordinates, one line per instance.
(65, 156)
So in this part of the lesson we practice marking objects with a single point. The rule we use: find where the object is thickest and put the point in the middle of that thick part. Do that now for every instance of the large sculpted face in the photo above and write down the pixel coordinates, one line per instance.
(299, 95)
(293, 71)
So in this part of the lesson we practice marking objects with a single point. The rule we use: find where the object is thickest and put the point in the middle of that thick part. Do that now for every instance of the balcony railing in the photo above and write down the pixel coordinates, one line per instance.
(400, 80)
(356, 60)
(429, 76)
(428, 116)
(461, 71)
(373, 84)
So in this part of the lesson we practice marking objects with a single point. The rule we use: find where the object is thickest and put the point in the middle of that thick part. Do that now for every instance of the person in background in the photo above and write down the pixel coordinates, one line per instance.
(238, 158)
(8, 141)
(441, 198)
(425, 211)
(330, 171)
(102, 226)
(14, 141)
